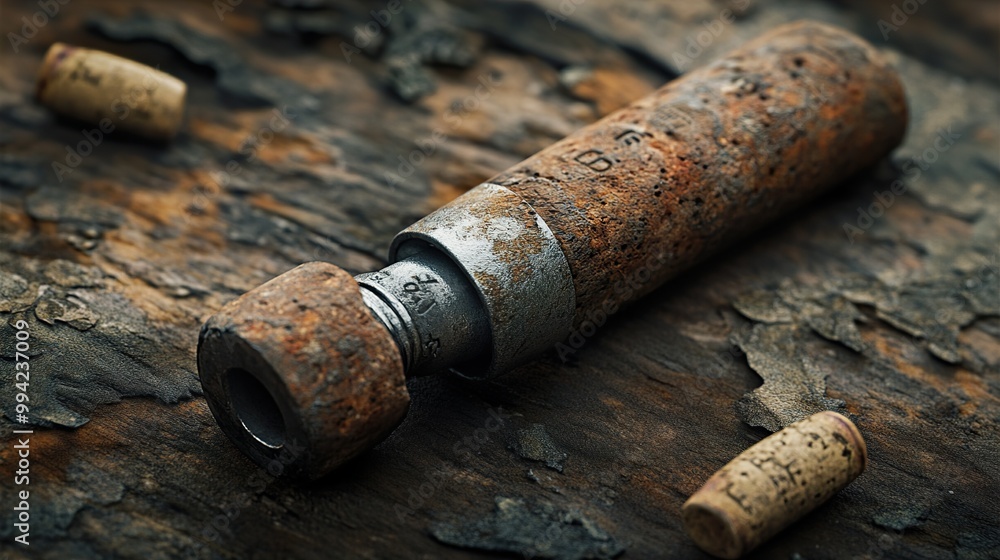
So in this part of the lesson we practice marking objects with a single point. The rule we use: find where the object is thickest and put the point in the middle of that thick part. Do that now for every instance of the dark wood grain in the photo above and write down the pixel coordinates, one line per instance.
(116, 266)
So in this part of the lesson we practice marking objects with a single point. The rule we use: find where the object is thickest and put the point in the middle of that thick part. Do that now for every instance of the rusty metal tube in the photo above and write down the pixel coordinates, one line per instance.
(593, 222)
(711, 156)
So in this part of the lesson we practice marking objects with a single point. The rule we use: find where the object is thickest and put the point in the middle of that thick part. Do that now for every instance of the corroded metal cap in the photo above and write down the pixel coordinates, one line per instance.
(298, 371)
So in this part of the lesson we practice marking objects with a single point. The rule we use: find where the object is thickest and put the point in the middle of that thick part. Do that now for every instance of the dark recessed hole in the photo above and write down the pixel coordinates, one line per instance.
(256, 408)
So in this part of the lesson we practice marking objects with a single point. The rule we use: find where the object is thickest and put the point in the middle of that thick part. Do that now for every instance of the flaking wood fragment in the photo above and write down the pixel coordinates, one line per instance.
(81, 210)
(535, 444)
(88, 345)
(525, 28)
(958, 285)
(422, 40)
(933, 311)
(13, 288)
(234, 75)
(949, 160)
(794, 377)
(829, 315)
(310, 24)
(534, 529)
(87, 487)
(900, 519)
(70, 311)
(69, 274)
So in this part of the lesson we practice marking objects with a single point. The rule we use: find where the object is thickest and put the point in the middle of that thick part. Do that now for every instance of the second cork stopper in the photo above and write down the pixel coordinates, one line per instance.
(111, 92)
(774, 483)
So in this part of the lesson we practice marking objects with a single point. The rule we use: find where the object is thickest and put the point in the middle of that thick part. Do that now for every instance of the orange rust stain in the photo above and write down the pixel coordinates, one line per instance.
(612, 402)
(610, 89)
(968, 408)
(973, 386)
(228, 136)
(985, 134)
(150, 300)
(268, 203)
(53, 450)
(888, 349)
(284, 148)
(259, 133)
(14, 223)
(190, 203)
(442, 193)
(913, 221)
(985, 345)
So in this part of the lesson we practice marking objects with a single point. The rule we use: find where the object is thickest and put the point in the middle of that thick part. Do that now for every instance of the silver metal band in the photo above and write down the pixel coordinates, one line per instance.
(432, 311)
(515, 266)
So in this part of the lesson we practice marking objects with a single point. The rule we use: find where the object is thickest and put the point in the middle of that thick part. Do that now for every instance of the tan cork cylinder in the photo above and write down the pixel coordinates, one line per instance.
(774, 483)
(111, 92)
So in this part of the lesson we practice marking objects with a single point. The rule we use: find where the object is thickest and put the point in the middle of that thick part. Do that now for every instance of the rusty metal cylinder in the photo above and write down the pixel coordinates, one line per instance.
(505, 271)
(648, 191)
(774, 483)
(111, 92)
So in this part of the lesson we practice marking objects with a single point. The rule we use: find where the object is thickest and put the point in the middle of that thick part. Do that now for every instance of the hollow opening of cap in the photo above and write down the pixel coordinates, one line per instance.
(256, 408)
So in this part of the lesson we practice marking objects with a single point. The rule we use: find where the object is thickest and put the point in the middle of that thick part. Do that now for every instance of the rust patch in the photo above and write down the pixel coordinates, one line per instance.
(609, 89)
(712, 156)
(333, 371)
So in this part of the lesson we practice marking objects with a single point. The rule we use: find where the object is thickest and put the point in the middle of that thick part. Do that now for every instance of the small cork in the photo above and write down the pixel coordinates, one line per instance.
(774, 483)
(111, 92)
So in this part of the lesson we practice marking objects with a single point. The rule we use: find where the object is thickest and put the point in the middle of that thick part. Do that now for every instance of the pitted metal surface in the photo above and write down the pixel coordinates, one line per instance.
(298, 370)
(514, 263)
(711, 156)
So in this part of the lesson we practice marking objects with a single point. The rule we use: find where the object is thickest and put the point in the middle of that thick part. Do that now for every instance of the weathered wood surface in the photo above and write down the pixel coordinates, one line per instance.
(116, 264)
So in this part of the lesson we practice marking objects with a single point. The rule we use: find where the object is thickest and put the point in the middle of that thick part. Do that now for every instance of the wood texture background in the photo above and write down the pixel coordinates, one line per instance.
(116, 265)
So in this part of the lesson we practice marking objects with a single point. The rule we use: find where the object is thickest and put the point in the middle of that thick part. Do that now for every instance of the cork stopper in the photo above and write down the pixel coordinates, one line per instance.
(774, 483)
(111, 92)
